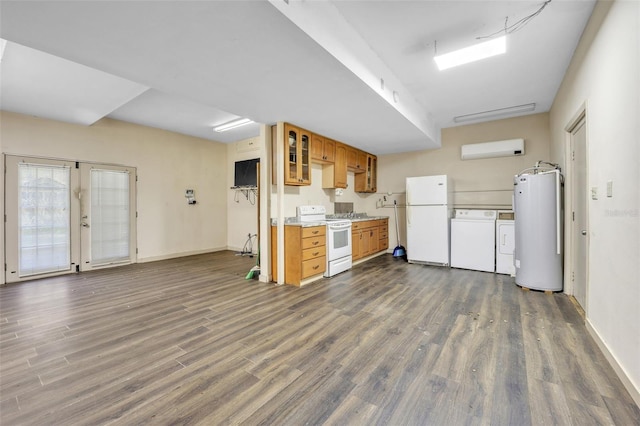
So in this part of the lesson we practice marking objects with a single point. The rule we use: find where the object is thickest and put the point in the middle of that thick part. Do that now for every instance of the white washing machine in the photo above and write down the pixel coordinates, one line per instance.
(505, 243)
(473, 240)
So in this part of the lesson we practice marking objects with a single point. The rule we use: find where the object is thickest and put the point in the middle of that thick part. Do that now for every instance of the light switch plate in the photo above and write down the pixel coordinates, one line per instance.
(610, 188)
(594, 192)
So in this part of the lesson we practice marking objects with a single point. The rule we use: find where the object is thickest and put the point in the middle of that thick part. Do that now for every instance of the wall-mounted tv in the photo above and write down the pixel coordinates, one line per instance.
(246, 173)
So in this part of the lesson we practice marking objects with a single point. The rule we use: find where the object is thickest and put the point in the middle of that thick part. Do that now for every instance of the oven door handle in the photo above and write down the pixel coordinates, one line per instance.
(339, 226)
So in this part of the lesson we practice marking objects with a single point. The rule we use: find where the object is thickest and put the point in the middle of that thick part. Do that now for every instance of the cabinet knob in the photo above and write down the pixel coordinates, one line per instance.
(315, 243)
(316, 267)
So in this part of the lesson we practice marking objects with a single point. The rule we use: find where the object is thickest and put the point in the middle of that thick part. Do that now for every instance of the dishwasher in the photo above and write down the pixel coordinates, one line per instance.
(473, 240)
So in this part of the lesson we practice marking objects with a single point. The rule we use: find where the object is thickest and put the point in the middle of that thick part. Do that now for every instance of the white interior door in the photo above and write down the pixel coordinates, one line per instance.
(579, 231)
(108, 216)
(42, 212)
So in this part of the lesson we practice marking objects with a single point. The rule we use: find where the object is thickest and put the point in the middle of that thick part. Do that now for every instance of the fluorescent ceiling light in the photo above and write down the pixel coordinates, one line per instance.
(479, 51)
(495, 113)
(3, 44)
(232, 124)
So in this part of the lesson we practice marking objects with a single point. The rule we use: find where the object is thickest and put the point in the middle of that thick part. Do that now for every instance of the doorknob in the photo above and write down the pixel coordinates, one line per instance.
(584, 232)
(85, 224)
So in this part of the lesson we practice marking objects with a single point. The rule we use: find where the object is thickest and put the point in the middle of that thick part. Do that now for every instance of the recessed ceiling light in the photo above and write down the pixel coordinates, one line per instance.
(232, 124)
(473, 53)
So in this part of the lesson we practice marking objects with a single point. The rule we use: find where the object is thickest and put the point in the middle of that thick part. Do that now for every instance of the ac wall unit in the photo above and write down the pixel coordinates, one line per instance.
(506, 148)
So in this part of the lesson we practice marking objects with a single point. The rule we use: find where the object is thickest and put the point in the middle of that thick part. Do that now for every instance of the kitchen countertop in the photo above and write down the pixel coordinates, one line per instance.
(293, 221)
(363, 218)
(358, 217)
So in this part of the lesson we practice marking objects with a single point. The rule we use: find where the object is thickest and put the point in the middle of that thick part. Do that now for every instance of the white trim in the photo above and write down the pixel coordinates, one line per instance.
(633, 390)
(180, 254)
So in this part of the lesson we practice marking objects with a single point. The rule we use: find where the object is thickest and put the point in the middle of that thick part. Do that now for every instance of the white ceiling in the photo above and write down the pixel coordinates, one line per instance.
(187, 66)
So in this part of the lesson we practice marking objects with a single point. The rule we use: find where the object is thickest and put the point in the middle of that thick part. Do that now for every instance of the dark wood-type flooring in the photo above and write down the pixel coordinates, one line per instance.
(190, 341)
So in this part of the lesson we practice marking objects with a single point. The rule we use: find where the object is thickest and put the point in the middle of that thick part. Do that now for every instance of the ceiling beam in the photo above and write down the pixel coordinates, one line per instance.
(321, 21)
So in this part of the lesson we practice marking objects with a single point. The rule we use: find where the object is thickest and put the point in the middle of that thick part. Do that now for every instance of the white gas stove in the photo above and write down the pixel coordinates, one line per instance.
(338, 237)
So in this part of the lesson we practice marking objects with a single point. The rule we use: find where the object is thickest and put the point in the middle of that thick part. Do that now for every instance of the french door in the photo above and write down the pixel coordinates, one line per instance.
(64, 216)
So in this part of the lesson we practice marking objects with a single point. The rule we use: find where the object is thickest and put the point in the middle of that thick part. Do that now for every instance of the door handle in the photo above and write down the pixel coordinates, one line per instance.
(85, 224)
(584, 232)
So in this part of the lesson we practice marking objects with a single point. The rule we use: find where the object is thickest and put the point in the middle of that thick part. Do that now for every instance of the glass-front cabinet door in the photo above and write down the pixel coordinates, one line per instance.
(292, 136)
(298, 156)
(305, 157)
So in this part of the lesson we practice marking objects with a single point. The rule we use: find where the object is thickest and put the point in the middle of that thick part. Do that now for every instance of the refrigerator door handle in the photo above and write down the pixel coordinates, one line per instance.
(408, 201)
(558, 236)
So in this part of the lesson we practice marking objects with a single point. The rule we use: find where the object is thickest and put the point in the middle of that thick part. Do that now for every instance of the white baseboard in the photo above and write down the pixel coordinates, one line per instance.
(181, 254)
(624, 378)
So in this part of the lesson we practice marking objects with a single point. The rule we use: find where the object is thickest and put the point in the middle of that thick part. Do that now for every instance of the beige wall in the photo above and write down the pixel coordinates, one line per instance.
(603, 75)
(2, 279)
(242, 212)
(167, 163)
(483, 183)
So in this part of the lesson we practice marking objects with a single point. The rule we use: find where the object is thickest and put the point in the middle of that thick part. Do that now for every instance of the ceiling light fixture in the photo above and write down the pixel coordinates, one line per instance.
(473, 53)
(232, 124)
(3, 44)
(495, 113)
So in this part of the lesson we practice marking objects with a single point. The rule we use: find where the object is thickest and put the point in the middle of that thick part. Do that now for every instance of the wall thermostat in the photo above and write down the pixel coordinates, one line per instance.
(190, 196)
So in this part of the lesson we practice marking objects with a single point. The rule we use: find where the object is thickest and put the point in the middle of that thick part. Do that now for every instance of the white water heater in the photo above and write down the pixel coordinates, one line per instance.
(538, 230)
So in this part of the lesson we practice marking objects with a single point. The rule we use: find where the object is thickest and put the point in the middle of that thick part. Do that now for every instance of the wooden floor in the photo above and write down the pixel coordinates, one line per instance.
(190, 341)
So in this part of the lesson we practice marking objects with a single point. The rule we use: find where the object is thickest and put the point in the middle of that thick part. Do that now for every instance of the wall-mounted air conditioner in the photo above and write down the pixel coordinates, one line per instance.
(506, 148)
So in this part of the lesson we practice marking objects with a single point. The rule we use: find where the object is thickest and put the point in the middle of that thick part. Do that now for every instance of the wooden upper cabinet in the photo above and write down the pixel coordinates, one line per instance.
(297, 144)
(340, 171)
(334, 175)
(368, 181)
(356, 160)
(323, 149)
(301, 147)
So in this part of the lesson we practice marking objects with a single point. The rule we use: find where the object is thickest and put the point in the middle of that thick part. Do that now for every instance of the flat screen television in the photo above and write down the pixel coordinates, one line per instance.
(245, 173)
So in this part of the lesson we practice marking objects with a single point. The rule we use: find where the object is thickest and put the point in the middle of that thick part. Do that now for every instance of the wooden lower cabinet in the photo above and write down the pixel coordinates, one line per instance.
(383, 233)
(369, 237)
(305, 253)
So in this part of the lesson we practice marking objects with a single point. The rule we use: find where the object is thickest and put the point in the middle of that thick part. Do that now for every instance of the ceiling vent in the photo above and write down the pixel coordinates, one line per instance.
(507, 148)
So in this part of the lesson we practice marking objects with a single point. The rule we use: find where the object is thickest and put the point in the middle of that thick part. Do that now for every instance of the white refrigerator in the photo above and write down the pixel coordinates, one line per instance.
(428, 214)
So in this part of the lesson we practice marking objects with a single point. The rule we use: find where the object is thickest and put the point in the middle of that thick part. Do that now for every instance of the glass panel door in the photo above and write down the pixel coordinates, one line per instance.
(108, 215)
(43, 219)
(40, 210)
(65, 216)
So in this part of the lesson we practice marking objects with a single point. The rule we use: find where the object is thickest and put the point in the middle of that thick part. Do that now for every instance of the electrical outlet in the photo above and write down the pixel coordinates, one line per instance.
(594, 192)
(610, 188)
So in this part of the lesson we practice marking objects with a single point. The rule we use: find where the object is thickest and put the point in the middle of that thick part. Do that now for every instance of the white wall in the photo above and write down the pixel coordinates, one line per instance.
(604, 76)
(242, 212)
(167, 163)
(2, 279)
(314, 194)
(484, 183)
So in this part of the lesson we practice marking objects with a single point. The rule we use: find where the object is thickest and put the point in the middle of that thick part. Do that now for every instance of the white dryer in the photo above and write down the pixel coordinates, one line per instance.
(473, 240)
(505, 243)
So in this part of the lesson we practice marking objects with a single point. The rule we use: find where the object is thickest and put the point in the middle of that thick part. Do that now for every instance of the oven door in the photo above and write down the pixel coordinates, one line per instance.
(338, 240)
